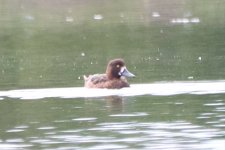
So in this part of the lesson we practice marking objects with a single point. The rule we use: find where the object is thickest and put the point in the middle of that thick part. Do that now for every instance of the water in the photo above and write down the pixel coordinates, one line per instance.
(161, 89)
(175, 48)
(171, 115)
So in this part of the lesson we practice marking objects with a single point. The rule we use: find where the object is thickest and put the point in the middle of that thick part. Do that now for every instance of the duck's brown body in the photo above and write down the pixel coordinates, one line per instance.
(114, 78)
(102, 81)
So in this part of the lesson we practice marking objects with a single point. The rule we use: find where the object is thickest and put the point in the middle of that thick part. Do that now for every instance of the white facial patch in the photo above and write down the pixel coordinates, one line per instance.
(122, 70)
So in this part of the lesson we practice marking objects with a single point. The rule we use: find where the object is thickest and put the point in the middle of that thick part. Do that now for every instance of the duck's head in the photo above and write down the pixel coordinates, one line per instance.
(116, 68)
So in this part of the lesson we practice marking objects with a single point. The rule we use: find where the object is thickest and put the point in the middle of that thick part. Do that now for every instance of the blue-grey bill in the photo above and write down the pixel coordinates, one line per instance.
(124, 72)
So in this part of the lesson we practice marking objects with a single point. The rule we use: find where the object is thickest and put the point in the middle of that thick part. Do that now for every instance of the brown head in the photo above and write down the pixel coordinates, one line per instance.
(116, 68)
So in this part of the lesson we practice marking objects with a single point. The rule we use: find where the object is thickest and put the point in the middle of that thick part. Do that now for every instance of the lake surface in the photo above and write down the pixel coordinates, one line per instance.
(175, 48)
(165, 115)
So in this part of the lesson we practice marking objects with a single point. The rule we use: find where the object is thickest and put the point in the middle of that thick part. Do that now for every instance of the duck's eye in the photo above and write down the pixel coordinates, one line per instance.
(117, 66)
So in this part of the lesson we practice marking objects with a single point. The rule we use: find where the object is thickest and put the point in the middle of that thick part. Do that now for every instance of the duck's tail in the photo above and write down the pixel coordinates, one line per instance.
(85, 77)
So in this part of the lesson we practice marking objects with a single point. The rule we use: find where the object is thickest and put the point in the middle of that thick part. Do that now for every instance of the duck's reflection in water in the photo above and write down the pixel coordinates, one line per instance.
(114, 103)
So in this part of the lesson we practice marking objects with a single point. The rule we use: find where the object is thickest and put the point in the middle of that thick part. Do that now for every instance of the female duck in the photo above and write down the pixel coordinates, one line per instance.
(114, 78)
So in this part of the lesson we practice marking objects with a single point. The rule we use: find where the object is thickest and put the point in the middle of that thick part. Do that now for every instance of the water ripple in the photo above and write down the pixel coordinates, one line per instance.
(84, 119)
(9, 146)
(15, 130)
(121, 135)
(130, 115)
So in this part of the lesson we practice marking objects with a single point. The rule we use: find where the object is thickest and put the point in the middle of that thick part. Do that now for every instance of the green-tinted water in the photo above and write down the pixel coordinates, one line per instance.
(49, 44)
(54, 43)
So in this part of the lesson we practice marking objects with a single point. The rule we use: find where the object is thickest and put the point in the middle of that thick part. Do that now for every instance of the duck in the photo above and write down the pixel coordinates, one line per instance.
(113, 78)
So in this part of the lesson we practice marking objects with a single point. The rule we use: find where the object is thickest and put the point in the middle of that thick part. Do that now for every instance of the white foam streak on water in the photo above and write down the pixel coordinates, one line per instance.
(160, 89)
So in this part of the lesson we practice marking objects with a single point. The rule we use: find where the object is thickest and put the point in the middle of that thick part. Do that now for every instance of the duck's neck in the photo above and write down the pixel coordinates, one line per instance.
(112, 75)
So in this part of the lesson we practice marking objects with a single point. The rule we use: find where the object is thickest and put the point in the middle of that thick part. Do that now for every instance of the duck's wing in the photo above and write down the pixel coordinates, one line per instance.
(96, 78)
